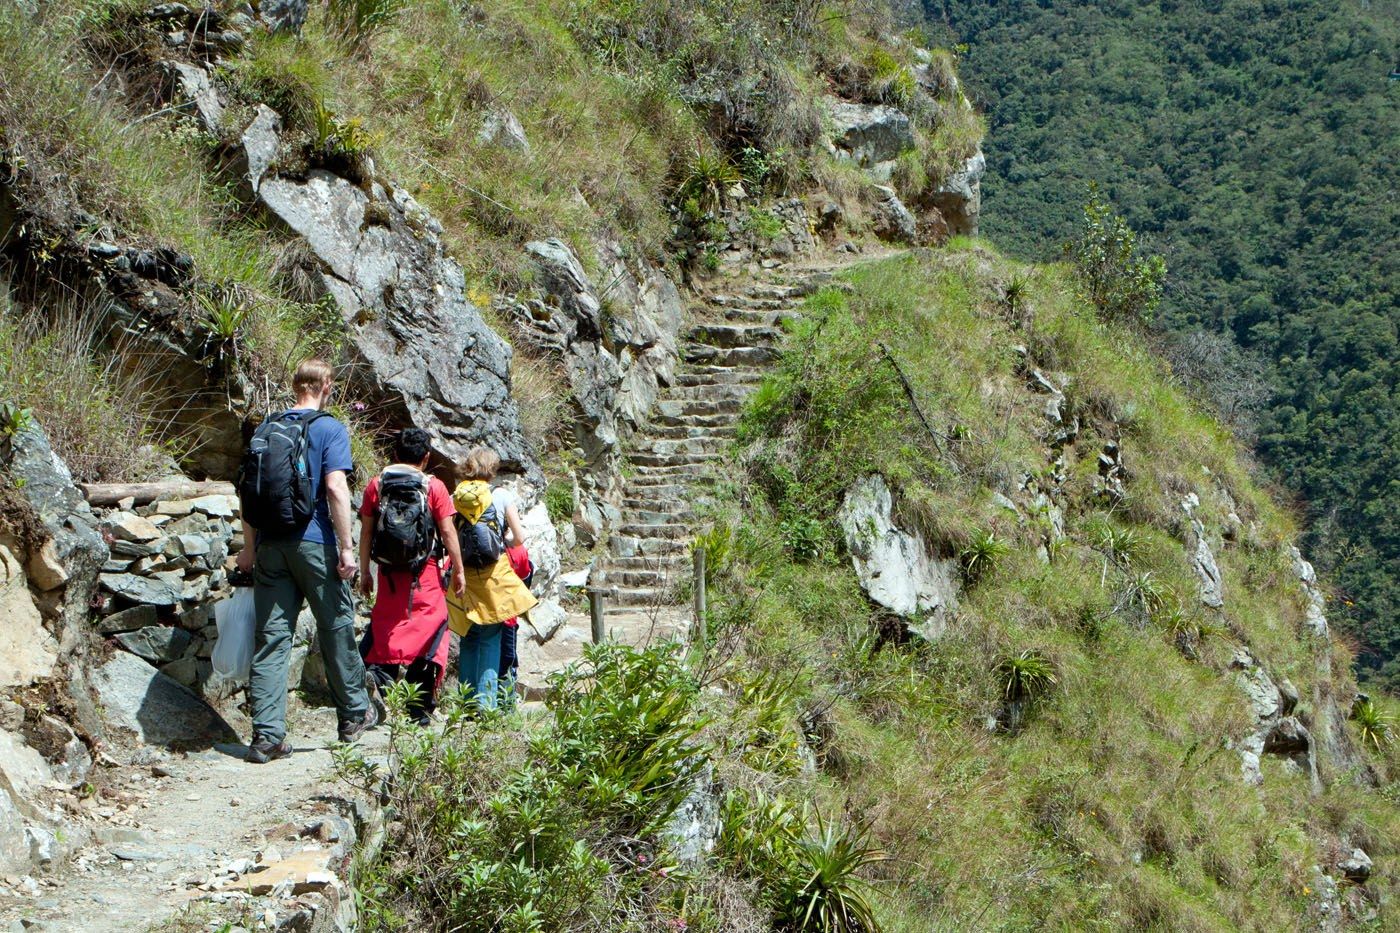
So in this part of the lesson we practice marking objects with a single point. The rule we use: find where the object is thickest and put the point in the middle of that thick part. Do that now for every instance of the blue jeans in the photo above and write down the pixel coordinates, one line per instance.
(479, 662)
(510, 663)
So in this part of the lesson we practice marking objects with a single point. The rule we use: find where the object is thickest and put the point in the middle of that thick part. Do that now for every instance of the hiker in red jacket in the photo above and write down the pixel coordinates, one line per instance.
(406, 525)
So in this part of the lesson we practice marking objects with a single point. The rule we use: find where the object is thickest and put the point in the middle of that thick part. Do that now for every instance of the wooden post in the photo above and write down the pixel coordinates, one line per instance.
(701, 599)
(595, 613)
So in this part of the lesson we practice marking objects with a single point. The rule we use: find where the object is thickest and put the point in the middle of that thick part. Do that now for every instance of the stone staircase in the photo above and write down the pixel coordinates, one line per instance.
(735, 335)
(674, 461)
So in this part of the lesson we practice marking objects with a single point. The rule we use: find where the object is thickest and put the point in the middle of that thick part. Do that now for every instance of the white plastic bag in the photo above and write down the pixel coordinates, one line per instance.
(233, 652)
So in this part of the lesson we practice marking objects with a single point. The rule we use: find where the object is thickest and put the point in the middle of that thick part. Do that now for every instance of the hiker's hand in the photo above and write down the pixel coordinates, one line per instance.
(246, 559)
(348, 563)
(367, 583)
(459, 582)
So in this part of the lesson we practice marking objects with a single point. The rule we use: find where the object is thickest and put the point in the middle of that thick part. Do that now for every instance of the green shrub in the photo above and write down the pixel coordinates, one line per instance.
(556, 829)
(707, 179)
(982, 553)
(1026, 676)
(559, 501)
(1121, 282)
(763, 224)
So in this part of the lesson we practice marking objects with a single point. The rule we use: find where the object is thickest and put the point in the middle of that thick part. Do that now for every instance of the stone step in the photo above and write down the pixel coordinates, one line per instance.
(719, 375)
(771, 290)
(749, 303)
(673, 431)
(647, 499)
(672, 530)
(669, 563)
(736, 356)
(731, 336)
(768, 317)
(641, 596)
(621, 546)
(720, 419)
(681, 445)
(680, 407)
(638, 578)
(643, 517)
(711, 390)
(692, 459)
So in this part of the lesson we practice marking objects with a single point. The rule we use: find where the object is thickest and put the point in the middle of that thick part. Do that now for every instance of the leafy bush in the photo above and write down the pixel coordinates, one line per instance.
(1026, 676)
(555, 830)
(982, 553)
(1123, 284)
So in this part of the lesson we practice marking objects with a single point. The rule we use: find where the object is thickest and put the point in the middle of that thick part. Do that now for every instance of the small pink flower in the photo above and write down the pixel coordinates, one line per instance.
(359, 406)
(641, 859)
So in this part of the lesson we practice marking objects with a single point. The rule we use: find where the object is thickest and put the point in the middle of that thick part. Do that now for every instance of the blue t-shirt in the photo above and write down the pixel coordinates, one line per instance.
(327, 450)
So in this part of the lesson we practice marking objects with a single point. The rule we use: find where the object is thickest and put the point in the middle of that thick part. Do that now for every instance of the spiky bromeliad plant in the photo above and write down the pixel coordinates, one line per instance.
(831, 896)
(982, 554)
(1373, 724)
(1026, 676)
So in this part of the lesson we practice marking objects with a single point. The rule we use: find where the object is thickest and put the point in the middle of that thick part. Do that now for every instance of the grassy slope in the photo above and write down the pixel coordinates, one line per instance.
(1119, 805)
(1255, 143)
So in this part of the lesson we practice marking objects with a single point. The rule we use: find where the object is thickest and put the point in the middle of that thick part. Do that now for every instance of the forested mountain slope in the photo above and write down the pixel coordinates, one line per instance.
(1258, 144)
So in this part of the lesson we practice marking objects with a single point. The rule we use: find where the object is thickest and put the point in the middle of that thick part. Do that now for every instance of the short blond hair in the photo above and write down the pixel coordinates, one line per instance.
(311, 376)
(482, 463)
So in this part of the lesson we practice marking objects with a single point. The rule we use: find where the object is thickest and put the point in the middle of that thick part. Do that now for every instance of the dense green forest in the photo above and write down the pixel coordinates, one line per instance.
(1257, 145)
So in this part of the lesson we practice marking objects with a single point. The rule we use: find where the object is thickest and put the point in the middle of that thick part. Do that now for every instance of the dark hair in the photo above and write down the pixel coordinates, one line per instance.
(412, 445)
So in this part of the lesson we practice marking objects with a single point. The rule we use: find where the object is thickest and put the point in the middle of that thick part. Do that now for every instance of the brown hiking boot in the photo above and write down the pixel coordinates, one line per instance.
(351, 730)
(261, 750)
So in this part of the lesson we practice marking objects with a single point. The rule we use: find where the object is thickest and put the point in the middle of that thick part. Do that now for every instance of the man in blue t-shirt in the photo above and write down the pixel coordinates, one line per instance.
(315, 565)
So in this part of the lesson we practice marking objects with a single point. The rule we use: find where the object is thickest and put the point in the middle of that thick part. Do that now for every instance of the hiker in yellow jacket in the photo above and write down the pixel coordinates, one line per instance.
(494, 592)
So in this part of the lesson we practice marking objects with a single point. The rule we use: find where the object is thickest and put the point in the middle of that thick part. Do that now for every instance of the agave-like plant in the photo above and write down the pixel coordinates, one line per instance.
(825, 892)
(982, 554)
(1373, 724)
(1026, 675)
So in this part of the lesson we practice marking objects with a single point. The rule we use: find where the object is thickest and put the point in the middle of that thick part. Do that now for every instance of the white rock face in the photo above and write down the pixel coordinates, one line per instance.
(1315, 620)
(1202, 558)
(27, 651)
(894, 566)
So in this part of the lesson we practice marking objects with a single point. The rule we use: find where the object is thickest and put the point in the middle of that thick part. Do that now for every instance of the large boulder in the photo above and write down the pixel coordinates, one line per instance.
(895, 567)
(28, 653)
(893, 221)
(424, 351)
(959, 197)
(871, 136)
(282, 15)
(157, 710)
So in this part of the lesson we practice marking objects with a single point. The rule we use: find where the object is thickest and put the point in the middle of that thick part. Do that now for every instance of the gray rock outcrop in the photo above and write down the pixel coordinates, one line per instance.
(282, 15)
(502, 129)
(892, 220)
(894, 566)
(871, 136)
(1202, 558)
(616, 363)
(423, 350)
(1276, 730)
(959, 196)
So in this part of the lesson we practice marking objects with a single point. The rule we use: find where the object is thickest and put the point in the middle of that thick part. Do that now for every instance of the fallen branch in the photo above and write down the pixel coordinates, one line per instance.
(107, 494)
(938, 437)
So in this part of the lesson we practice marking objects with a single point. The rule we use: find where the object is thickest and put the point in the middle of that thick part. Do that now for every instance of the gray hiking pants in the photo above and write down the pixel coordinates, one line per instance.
(286, 573)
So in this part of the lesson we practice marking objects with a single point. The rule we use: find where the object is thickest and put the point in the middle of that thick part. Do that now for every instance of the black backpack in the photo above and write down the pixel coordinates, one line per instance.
(404, 535)
(274, 481)
(481, 541)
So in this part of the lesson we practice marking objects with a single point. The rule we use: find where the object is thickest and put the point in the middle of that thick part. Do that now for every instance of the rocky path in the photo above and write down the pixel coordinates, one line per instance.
(735, 335)
(179, 839)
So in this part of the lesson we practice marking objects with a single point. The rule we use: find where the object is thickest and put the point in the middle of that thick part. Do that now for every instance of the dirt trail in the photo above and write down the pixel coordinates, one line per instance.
(167, 827)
